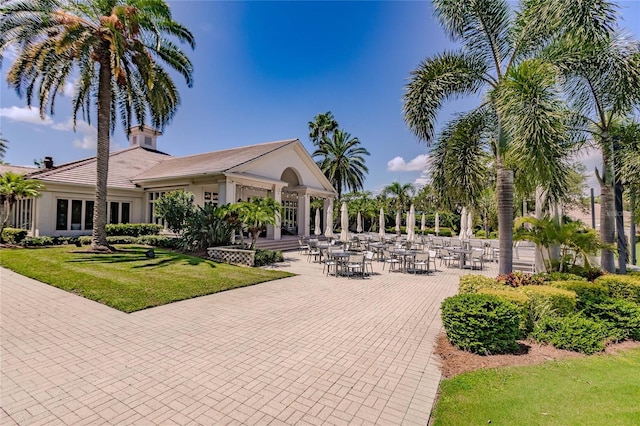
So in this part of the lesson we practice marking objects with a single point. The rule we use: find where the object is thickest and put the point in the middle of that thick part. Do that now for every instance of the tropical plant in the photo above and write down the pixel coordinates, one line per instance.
(572, 237)
(341, 159)
(3, 146)
(323, 126)
(13, 187)
(521, 120)
(205, 227)
(174, 208)
(600, 68)
(256, 214)
(116, 48)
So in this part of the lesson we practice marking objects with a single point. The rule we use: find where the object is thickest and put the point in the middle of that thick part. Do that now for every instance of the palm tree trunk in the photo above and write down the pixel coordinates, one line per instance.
(541, 200)
(607, 226)
(632, 226)
(99, 234)
(621, 238)
(505, 218)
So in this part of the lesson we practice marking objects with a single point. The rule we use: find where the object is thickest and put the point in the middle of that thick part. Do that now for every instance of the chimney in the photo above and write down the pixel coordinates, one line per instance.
(48, 163)
(144, 136)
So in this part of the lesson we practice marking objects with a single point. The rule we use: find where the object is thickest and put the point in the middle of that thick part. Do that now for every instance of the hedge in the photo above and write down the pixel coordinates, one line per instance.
(472, 283)
(621, 316)
(574, 333)
(481, 323)
(520, 300)
(132, 229)
(621, 286)
(13, 235)
(553, 301)
(587, 293)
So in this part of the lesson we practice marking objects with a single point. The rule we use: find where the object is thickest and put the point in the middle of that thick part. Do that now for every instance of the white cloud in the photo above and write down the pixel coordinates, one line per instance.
(25, 115)
(399, 165)
(591, 158)
(69, 89)
(88, 133)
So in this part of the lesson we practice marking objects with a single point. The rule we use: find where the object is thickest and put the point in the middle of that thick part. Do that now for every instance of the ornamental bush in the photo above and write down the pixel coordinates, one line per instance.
(621, 286)
(520, 300)
(560, 276)
(132, 229)
(472, 283)
(13, 235)
(481, 323)
(574, 333)
(555, 301)
(587, 293)
(267, 257)
(621, 316)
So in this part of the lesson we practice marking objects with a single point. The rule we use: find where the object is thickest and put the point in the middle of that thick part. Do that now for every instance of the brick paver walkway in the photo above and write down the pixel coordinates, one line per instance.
(302, 350)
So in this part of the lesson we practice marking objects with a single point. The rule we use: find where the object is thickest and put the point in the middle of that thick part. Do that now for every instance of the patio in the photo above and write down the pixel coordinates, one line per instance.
(302, 350)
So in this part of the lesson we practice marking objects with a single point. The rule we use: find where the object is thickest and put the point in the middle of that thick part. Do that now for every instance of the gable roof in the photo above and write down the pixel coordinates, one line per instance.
(210, 162)
(123, 165)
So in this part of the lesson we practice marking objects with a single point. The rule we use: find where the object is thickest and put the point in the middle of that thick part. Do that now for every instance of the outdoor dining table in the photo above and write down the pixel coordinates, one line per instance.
(378, 249)
(404, 254)
(341, 258)
(462, 254)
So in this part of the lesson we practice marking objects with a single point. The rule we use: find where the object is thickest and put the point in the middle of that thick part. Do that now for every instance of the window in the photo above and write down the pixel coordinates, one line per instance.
(88, 214)
(76, 215)
(113, 212)
(62, 212)
(22, 214)
(153, 197)
(147, 140)
(124, 218)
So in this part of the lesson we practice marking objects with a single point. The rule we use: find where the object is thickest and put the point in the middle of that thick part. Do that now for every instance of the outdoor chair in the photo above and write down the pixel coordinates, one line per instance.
(368, 261)
(477, 257)
(421, 262)
(328, 262)
(391, 259)
(303, 248)
(446, 257)
(355, 265)
(432, 259)
(315, 254)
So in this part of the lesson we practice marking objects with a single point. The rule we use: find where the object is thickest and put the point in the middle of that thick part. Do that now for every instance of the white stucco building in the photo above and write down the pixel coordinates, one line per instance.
(140, 174)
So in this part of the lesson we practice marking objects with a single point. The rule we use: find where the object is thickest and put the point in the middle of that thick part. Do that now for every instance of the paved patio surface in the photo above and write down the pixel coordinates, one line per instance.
(302, 350)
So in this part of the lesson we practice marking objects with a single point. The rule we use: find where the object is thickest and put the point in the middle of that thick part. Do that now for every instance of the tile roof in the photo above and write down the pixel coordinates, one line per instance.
(22, 170)
(210, 162)
(123, 165)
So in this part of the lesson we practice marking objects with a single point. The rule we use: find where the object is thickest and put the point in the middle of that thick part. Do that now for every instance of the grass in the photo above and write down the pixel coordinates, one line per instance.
(601, 389)
(129, 281)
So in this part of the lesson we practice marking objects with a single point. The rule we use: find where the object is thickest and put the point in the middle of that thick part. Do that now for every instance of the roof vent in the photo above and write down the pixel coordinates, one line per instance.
(48, 163)
(144, 136)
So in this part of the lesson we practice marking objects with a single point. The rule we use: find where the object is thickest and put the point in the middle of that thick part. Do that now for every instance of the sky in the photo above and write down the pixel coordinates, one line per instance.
(264, 69)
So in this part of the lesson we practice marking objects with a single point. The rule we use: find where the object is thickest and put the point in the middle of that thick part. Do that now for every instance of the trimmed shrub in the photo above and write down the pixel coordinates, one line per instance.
(560, 302)
(267, 257)
(161, 241)
(520, 300)
(481, 323)
(574, 333)
(589, 273)
(560, 276)
(621, 286)
(44, 241)
(132, 229)
(622, 317)
(13, 235)
(587, 293)
(472, 283)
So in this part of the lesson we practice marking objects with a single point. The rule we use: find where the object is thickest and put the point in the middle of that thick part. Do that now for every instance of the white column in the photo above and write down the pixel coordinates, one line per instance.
(304, 211)
(226, 191)
(277, 228)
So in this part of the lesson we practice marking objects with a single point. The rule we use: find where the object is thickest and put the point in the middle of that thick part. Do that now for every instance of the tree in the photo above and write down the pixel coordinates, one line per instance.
(257, 214)
(399, 195)
(3, 147)
(520, 121)
(14, 187)
(174, 208)
(323, 126)
(341, 159)
(116, 48)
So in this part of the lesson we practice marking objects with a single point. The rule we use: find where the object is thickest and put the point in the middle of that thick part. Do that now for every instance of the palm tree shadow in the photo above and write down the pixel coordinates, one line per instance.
(136, 254)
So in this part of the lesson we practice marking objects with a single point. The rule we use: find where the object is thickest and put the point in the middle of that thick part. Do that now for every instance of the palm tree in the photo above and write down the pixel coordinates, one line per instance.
(257, 214)
(520, 120)
(3, 146)
(13, 187)
(399, 195)
(322, 126)
(341, 159)
(116, 47)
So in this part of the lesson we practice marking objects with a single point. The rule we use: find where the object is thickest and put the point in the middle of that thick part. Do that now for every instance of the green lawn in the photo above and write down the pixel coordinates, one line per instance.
(129, 281)
(598, 390)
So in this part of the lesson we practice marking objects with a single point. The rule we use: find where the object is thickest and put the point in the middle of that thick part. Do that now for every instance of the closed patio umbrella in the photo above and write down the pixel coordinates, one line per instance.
(437, 229)
(344, 223)
(398, 220)
(328, 230)
(411, 224)
(469, 224)
(317, 230)
(422, 224)
(382, 224)
(463, 224)
(359, 223)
